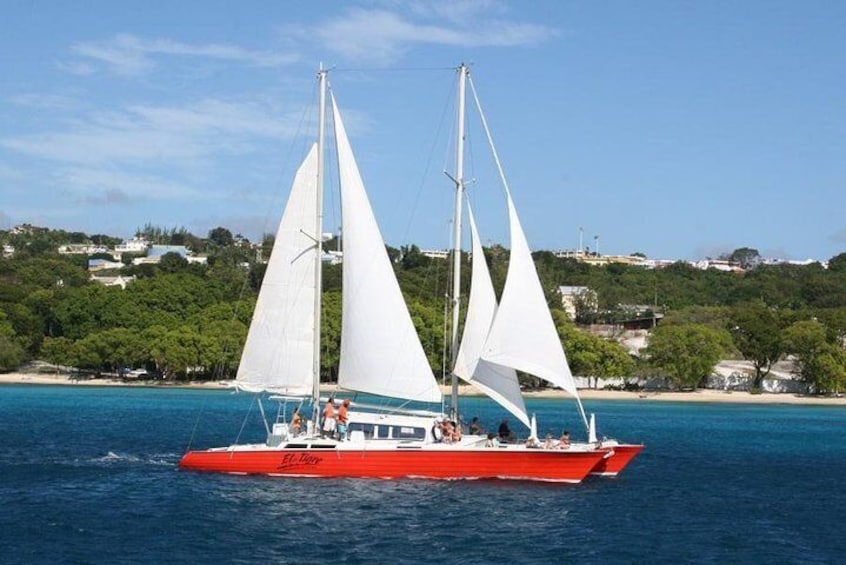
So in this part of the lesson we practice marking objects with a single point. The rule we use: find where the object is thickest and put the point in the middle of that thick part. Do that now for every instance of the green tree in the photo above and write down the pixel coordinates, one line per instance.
(224, 343)
(180, 351)
(837, 264)
(686, 353)
(172, 263)
(330, 335)
(58, 351)
(221, 237)
(11, 354)
(746, 257)
(756, 332)
(821, 364)
(590, 355)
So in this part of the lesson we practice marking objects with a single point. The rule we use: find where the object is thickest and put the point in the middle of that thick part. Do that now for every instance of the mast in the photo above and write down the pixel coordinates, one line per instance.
(456, 234)
(318, 258)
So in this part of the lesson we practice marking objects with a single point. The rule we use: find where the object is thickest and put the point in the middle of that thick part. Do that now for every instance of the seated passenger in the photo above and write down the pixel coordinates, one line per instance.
(475, 428)
(532, 442)
(296, 422)
(448, 431)
(504, 432)
(564, 440)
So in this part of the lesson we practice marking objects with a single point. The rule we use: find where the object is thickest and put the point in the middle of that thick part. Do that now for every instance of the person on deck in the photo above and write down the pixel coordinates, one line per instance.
(296, 422)
(475, 428)
(343, 418)
(447, 431)
(504, 432)
(564, 440)
(456, 432)
(329, 419)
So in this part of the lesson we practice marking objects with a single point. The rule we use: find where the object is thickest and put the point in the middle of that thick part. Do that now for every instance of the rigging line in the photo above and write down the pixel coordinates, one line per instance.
(444, 348)
(246, 417)
(490, 139)
(196, 425)
(429, 158)
(390, 70)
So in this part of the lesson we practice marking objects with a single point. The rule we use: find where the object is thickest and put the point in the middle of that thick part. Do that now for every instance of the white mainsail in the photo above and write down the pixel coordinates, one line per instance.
(523, 335)
(380, 351)
(497, 382)
(278, 353)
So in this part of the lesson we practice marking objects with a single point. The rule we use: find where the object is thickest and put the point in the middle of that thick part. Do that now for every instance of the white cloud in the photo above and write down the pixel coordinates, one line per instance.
(10, 173)
(129, 55)
(458, 10)
(145, 133)
(103, 186)
(382, 37)
(44, 101)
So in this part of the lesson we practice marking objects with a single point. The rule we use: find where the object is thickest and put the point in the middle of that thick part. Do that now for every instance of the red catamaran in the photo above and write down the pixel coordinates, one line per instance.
(381, 353)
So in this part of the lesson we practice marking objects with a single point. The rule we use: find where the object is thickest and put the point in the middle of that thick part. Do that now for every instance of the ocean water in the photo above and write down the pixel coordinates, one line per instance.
(88, 475)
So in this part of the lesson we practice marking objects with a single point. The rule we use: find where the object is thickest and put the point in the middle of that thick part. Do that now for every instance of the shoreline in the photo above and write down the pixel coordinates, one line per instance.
(700, 395)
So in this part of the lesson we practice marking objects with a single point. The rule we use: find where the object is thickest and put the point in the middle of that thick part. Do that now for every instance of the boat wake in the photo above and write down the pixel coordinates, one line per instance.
(158, 459)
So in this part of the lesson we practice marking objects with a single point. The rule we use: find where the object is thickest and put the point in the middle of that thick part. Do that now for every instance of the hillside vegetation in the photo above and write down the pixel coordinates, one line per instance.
(188, 321)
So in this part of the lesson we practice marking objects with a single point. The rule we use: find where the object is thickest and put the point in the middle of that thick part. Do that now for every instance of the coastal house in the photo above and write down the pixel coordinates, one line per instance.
(571, 295)
(156, 252)
(717, 264)
(597, 260)
(81, 249)
(134, 245)
(119, 280)
(435, 253)
(103, 264)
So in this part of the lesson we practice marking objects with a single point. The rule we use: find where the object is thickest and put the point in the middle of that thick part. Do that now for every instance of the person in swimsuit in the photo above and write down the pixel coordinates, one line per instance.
(329, 419)
(343, 418)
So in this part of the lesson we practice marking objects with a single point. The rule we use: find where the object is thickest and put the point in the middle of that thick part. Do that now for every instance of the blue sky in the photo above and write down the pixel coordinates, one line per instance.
(677, 129)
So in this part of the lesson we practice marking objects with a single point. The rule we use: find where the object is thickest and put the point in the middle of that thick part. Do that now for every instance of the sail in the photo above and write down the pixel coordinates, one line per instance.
(380, 351)
(278, 354)
(496, 381)
(523, 335)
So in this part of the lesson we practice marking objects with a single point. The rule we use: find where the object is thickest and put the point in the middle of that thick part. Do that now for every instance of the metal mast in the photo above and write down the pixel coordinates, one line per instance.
(463, 71)
(318, 259)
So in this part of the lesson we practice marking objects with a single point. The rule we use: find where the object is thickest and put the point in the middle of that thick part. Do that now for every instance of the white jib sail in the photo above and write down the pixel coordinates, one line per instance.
(278, 354)
(523, 335)
(380, 351)
(497, 382)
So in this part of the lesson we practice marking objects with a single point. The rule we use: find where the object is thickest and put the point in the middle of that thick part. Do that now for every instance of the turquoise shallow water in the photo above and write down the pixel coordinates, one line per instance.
(88, 475)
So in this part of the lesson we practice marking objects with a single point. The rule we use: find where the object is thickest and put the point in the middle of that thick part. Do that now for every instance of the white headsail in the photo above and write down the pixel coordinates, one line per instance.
(380, 351)
(523, 334)
(496, 381)
(279, 350)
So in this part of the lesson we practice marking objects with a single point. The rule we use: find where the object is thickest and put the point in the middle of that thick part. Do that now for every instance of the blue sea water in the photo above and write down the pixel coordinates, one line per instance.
(88, 475)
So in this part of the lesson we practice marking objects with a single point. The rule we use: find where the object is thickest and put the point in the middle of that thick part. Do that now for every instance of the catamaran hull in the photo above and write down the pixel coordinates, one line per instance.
(527, 464)
(619, 456)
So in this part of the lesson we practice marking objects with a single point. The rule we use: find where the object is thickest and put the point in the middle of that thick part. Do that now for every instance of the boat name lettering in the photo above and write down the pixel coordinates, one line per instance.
(299, 459)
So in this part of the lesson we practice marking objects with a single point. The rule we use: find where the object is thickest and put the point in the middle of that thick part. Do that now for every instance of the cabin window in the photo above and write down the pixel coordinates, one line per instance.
(403, 432)
(366, 428)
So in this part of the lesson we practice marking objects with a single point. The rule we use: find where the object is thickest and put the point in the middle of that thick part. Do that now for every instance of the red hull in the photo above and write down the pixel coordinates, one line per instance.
(621, 456)
(538, 465)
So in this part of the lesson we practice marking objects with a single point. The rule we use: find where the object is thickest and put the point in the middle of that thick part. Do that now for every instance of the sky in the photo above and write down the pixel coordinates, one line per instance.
(677, 129)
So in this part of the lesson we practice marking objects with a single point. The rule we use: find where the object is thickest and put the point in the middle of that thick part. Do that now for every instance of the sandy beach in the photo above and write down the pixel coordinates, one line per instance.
(701, 395)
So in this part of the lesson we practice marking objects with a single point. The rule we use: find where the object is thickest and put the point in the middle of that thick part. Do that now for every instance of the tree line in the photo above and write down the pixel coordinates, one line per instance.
(189, 321)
